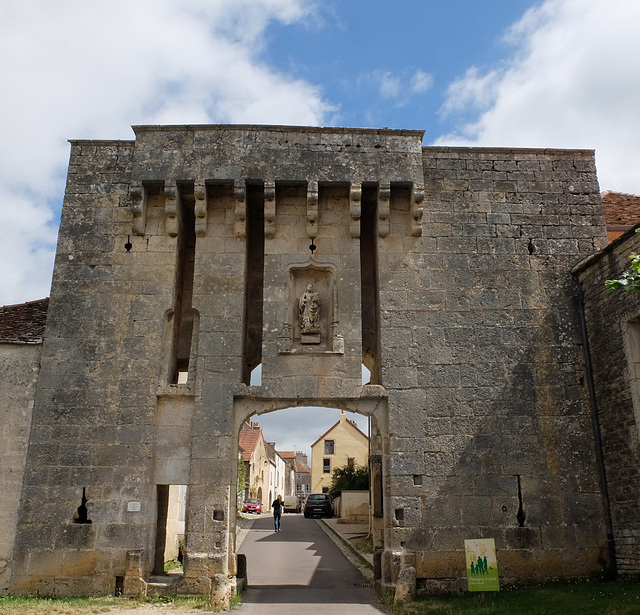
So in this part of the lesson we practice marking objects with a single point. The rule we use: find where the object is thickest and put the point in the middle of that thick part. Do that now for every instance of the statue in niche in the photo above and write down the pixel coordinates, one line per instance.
(309, 308)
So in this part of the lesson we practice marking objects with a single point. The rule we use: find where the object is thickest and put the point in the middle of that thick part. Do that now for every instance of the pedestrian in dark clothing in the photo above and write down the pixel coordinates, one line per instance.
(277, 512)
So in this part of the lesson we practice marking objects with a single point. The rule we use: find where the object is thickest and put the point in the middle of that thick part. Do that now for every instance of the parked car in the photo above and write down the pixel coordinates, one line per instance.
(318, 504)
(292, 503)
(252, 506)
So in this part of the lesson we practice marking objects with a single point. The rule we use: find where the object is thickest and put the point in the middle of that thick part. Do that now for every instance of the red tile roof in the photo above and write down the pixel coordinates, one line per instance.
(23, 323)
(248, 440)
(621, 209)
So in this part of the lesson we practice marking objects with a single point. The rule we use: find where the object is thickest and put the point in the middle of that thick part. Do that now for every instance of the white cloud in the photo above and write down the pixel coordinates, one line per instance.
(474, 91)
(398, 86)
(77, 69)
(390, 85)
(421, 82)
(574, 81)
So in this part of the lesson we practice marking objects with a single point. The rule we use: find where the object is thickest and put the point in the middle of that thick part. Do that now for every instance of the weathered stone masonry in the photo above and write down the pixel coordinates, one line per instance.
(21, 329)
(613, 325)
(447, 271)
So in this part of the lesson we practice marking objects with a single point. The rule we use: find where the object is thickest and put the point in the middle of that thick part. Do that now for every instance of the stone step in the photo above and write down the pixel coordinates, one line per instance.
(163, 585)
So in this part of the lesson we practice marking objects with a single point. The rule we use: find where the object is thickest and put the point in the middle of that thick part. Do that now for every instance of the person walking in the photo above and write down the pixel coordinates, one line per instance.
(277, 506)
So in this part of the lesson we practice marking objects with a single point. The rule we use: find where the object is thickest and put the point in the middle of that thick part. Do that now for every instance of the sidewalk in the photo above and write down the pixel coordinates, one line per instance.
(347, 535)
(243, 525)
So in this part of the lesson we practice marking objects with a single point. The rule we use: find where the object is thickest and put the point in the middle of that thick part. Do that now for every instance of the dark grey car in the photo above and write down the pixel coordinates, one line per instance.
(318, 504)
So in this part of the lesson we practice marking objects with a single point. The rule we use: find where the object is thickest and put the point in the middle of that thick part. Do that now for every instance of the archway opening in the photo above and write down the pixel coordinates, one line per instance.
(294, 451)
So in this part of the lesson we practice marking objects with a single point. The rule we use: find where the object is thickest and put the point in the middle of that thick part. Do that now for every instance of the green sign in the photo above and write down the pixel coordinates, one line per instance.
(482, 565)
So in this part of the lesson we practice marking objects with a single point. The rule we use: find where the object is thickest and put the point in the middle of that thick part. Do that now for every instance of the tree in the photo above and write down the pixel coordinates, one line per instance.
(351, 477)
(629, 280)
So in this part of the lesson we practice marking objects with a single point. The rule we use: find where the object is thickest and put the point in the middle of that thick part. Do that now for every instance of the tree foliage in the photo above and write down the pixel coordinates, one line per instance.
(629, 280)
(351, 477)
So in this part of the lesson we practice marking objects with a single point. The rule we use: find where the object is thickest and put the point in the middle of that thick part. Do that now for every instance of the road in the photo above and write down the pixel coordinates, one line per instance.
(292, 570)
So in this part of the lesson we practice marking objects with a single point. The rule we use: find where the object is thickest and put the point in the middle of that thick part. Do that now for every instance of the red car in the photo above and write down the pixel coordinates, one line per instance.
(252, 506)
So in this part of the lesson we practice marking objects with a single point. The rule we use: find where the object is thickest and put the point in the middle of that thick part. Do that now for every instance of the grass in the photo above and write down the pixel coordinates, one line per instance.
(88, 606)
(365, 545)
(578, 598)
(172, 566)
(74, 606)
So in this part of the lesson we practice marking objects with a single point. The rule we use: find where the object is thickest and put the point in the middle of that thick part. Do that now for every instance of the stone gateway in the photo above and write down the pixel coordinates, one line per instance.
(193, 254)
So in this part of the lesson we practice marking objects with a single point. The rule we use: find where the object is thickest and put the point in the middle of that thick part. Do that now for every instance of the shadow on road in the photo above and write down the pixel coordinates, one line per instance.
(300, 565)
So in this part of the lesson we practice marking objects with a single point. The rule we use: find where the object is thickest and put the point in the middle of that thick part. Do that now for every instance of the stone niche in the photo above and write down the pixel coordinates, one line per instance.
(312, 323)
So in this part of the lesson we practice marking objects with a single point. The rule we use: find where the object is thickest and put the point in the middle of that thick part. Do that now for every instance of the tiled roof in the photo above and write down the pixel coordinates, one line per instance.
(621, 209)
(301, 468)
(248, 440)
(23, 323)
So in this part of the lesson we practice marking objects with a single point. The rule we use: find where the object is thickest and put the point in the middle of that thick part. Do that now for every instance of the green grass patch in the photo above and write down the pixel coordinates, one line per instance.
(578, 598)
(172, 566)
(365, 545)
(73, 606)
(107, 604)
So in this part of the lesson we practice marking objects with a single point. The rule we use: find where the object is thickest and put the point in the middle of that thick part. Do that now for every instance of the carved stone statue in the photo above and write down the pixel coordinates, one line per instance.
(309, 308)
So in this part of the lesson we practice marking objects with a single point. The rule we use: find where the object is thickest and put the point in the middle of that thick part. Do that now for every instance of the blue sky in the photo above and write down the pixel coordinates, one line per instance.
(354, 48)
(513, 73)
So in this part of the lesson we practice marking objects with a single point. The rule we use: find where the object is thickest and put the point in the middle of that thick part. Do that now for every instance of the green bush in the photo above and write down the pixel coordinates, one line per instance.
(349, 478)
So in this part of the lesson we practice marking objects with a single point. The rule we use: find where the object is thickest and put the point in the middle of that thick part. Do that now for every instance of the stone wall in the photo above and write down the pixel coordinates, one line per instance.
(614, 343)
(93, 421)
(19, 365)
(489, 427)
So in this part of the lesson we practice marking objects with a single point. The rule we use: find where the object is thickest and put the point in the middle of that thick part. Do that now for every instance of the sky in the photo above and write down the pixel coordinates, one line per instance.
(513, 73)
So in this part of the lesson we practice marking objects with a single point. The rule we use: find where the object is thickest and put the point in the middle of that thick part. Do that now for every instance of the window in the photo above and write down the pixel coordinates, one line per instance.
(329, 447)
(325, 490)
(351, 461)
(326, 466)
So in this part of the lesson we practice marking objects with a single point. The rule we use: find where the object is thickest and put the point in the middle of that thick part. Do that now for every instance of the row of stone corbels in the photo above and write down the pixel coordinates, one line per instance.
(384, 209)
(172, 203)
(172, 196)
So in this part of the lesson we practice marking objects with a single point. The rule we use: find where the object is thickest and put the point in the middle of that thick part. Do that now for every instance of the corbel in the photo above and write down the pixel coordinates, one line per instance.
(384, 200)
(138, 208)
(417, 198)
(355, 209)
(200, 207)
(240, 193)
(171, 207)
(312, 209)
(269, 209)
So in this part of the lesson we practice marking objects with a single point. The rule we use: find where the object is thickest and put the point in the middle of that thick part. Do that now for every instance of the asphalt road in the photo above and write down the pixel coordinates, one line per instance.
(300, 570)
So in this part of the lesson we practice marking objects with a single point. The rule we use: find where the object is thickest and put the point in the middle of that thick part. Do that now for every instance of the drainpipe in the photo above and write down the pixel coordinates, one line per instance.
(597, 433)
